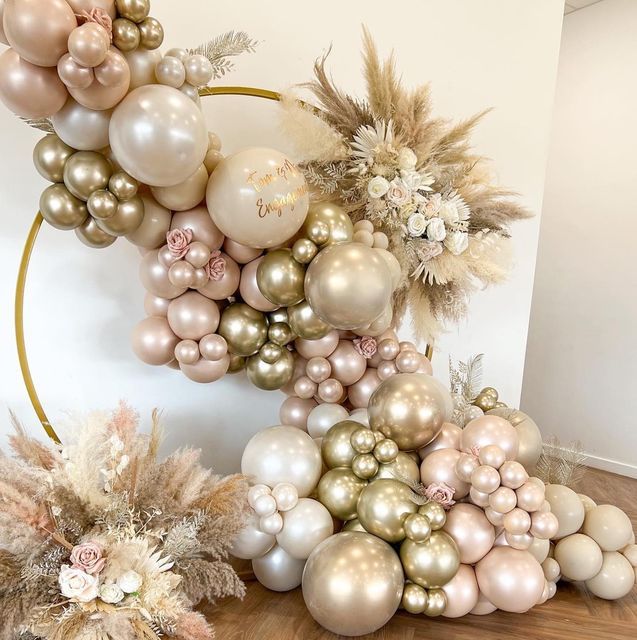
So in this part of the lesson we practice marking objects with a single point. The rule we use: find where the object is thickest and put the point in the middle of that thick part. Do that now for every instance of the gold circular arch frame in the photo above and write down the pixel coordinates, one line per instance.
(29, 247)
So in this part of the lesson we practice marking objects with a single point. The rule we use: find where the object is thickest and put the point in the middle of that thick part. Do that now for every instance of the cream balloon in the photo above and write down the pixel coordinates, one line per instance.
(304, 527)
(185, 195)
(615, 579)
(257, 197)
(567, 507)
(158, 135)
(323, 417)
(351, 573)
(539, 549)
(471, 531)
(142, 63)
(278, 571)
(154, 341)
(251, 542)
(151, 234)
(462, 593)
(579, 557)
(609, 526)
(81, 128)
(283, 454)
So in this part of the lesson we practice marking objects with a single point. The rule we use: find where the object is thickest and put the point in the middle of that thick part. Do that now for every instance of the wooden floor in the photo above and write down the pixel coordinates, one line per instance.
(572, 613)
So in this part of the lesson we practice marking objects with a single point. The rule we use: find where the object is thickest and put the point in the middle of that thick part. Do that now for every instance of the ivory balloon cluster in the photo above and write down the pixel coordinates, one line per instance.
(185, 71)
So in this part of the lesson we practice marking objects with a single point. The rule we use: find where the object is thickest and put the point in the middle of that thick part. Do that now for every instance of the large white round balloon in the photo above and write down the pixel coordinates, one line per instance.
(283, 454)
(258, 197)
(304, 527)
(158, 135)
(278, 570)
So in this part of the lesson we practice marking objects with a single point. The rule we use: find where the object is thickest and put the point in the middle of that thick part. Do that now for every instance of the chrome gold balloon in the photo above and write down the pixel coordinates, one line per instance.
(383, 507)
(339, 224)
(85, 172)
(318, 232)
(271, 376)
(280, 333)
(363, 441)
(417, 527)
(237, 363)
(354, 525)
(305, 323)
(244, 328)
(402, 468)
(123, 186)
(431, 563)
(151, 33)
(61, 209)
(126, 36)
(135, 10)
(336, 447)
(365, 466)
(102, 204)
(92, 236)
(270, 353)
(436, 603)
(386, 451)
(50, 156)
(280, 278)
(304, 250)
(339, 490)
(435, 513)
(414, 598)
(127, 218)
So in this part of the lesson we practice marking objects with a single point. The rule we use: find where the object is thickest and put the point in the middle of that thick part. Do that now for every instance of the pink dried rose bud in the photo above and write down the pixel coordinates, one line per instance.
(216, 267)
(366, 346)
(441, 493)
(88, 558)
(178, 241)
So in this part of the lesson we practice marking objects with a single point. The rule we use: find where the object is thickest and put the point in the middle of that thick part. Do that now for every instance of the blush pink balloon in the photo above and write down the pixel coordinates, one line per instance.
(39, 29)
(206, 370)
(227, 285)
(249, 289)
(74, 75)
(323, 347)
(202, 227)
(439, 466)
(213, 347)
(154, 277)
(462, 593)
(387, 369)
(471, 531)
(318, 369)
(192, 316)
(28, 90)
(448, 438)
(483, 607)
(294, 412)
(240, 252)
(305, 388)
(348, 365)
(425, 365)
(330, 390)
(89, 44)
(511, 579)
(155, 306)
(154, 341)
(360, 392)
(490, 429)
(113, 70)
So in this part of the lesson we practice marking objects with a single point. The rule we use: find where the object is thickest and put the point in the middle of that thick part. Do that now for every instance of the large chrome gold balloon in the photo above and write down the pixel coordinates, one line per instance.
(49, 157)
(352, 583)
(336, 448)
(348, 285)
(92, 236)
(127, 218)
(431, 563)
(305, 323)
(271, 376)
(402, 468)
(339, 490)
(383, 506)
(410, 408)
(280, 278)
(85, 172)
(338, 223)
(244, 328)
(61, 209)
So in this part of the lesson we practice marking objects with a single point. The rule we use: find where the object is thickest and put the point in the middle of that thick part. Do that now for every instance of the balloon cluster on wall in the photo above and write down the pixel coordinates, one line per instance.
(428, 516)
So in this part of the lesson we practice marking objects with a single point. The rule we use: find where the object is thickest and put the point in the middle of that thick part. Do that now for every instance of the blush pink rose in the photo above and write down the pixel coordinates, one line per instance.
(178, 241)
(441, 493)
(88, 558)
(366, 346)
(216, 267)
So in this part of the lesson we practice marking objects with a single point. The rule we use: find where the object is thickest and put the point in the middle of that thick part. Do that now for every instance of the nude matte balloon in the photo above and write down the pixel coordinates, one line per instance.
(154, 277)
(30, 91)
(504, 567)
(205, 371)
(154, 341)
(151, 234)
(278, 570)
(471, 531)
(283, 454)
(202, 227)
(158, 135)
(609, 526)
(615, 579)
(295, 411)
(185, 195)
(579, 557)
(251, 542)
(361, 391)
(462, 593)
(257, 197)
(305, 526)
(488, 430)
(249, 289)
(142, 63)
(39, 29)
(192, 316)
(439, 466)
(567, 507)
(348, 574)
(81, 128)
(88, 44)
(448, 438)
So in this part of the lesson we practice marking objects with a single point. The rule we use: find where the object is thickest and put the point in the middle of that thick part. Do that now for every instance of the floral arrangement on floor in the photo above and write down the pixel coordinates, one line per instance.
(387, 160)
(101, 540)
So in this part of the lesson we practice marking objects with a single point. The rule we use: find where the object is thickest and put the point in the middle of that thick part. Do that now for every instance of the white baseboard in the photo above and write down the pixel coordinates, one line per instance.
(606, 464)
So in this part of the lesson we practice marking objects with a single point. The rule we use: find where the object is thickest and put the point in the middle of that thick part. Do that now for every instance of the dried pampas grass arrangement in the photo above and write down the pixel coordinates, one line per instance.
(101, 540)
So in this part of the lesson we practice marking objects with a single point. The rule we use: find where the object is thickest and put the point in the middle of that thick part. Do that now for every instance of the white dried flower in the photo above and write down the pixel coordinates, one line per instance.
(129, 582)
(398, 192)
(377, 187)
(457, 242)
(436, 230)
(123, 463)
(449, 212)
(411, 178)
(416, 225)
(77, 585)
(406, 159)
(111, 593)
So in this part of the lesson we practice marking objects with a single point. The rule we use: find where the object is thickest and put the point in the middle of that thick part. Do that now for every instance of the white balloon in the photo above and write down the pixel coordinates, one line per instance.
(271, 524)
(360, 415)
(323, 417)
(304, 527)
(283, 454)
(81, 128)
(142, 63)
(286, 496)
(251, 542)
(265, 505)
(278, 571)
(255, 491)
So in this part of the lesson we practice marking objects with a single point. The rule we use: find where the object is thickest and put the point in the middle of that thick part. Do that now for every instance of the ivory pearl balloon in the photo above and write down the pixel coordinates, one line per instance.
(305, 526)
(471, 531)
(295, 412)
(492, 455)
(361, 391)
(360, 416)
(192, 93)
(388, 349)
(49, 157)
(448, 438)
(439, 466)
(615, 579)
(213, 347)
(321, 347)
(171, 72)
(146, 148)
(187, 352)
(81, 128)
(198, 70)
(142, 63)
(408, 362)
(521, 541)
(479, 498)
(513, 475)
(566, 507)
(323, 417)
(271, 524)
(92, 236)
(305, 388)
(74, 75)
(318, 369)
(609, 526)
(203, 228)
(330, 390)
(530, 496)
(61, 209)
(503, 500)
(212, 160)
(494, 517)
(278, 571)
(192, 316)
(488, 430)
(579, 557)
(181, 274)
(465, 466)
(462, 593)
(227, 284)
(264, 505)
(154, 341)
(485, 479)
(286, 496)
(256, 491)
(251, 542)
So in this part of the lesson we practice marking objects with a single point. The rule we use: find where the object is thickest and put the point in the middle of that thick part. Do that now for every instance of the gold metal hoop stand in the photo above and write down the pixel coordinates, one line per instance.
(27, 252)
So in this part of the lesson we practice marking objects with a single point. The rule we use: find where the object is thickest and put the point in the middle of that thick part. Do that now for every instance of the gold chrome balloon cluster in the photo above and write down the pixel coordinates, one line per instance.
(135, 28)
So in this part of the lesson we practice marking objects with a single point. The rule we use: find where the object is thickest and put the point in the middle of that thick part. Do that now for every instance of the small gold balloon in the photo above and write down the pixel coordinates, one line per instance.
(127, 218)
(237, 363)
(126, 36)
(414, 598)
(280, 278)
(102, 204)
(365, 466)
(86, 172)
(435, 513)
(305, 323)
(386, 451)
(436, 603)
(135, 10)
(270, 352)
(417, 527)
(490, 391)
(501, 405)
(151, 33)
(336, 448)
(354, 525)
(271, 376)
(341, 228)
(49, 157)
(92, 236)
(280, 333)
(431, 563)
(383, 507)
(123, 186)
(402, 467)
(318, 232)
(363, 441)
(278, 315)
(61, 209)
(485, 402)
(304, 250)
(244, 328)
(339, 491)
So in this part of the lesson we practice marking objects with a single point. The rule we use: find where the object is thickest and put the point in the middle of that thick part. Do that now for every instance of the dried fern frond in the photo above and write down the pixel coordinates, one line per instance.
(42, 124)
(561, 464)
(225, 46)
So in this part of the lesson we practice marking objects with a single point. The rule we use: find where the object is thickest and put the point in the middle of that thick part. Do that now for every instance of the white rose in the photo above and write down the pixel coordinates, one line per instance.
(77, 585)
(377, 187)
(449, 213)
(398, 193)
(411, 178)
(407, 158)
(416, 225)
(436, 230)
(129, 582)
(111, 594)
(457, 242)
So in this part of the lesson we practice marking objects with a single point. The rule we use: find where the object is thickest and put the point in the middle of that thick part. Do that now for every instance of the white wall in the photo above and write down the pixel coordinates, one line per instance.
(81, 304)
(581, 367)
